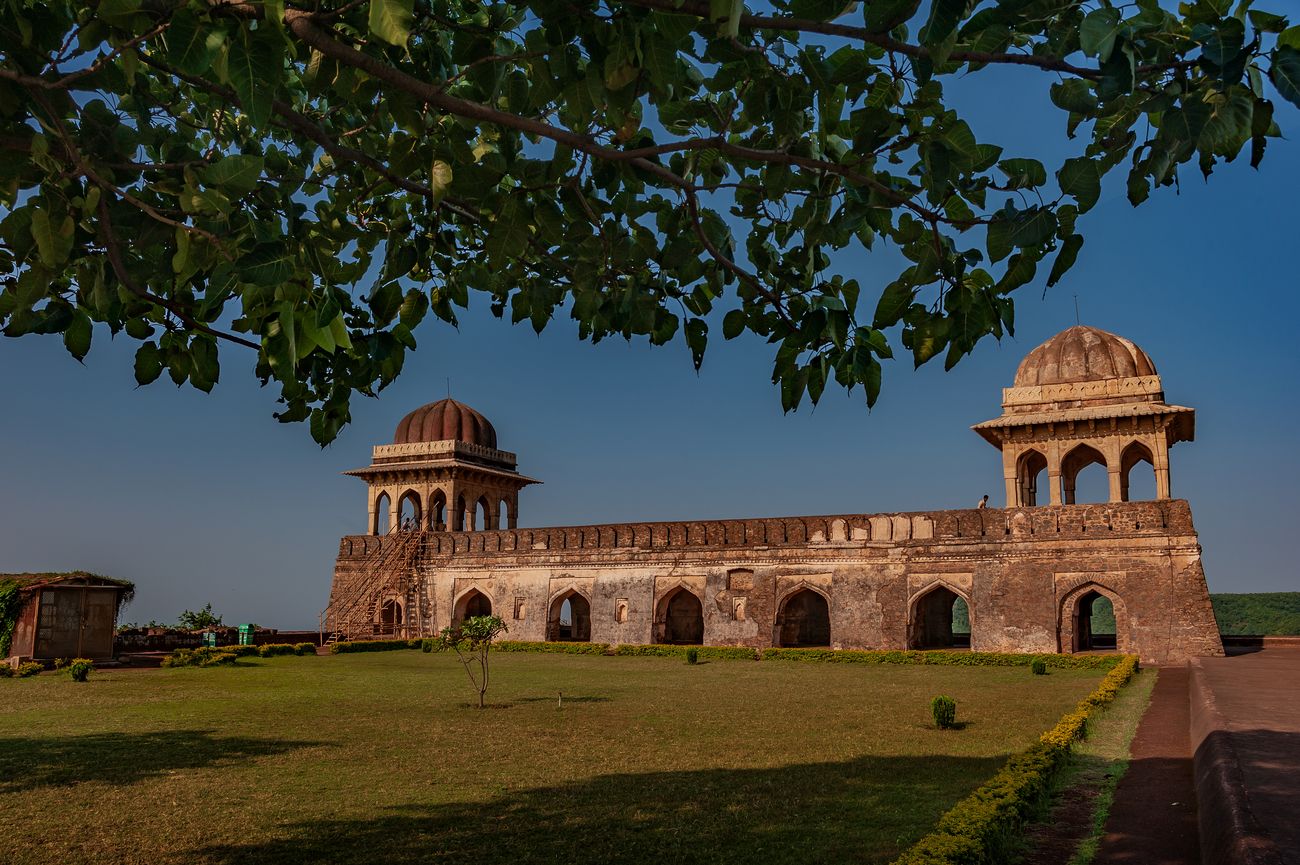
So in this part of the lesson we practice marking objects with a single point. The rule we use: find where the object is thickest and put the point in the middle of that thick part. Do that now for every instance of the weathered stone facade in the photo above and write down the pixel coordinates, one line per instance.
(1027, 575)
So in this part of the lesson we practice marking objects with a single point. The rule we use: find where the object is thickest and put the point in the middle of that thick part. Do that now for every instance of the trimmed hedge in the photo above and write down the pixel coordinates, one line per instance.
(204, 656)
(345, 647)
(981, 828)
(271, 650)
(949, 659)
(705, 653)
(552, 648)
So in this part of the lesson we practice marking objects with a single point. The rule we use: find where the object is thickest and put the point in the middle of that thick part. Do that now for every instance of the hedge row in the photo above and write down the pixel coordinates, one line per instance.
(704, 653)
(949, 659)
(980, 829)
(349, 646)
(271, 650)
(552, 648)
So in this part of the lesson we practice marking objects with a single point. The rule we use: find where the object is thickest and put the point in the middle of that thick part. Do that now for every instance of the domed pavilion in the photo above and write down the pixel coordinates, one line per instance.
(442, 472)
(1085, 396)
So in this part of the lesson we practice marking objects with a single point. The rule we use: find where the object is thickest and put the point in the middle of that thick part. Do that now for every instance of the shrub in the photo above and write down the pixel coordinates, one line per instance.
(945, 658)
(79, 669)
(427, 645)
(272, 650)
(692, 655)
(344, 647)
(6, 671)
(552, 647)
(31, 668)
(1039, 666)
(304, 648)
(60, 663)
(708, 653)
(241, 651)
(944, 710)
(204, 657)
(985, 826)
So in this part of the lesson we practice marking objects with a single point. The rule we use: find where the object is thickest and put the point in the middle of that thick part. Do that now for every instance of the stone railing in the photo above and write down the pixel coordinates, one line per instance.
(982, 525)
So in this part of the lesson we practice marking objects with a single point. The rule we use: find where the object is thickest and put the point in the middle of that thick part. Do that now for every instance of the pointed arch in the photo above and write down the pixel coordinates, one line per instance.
(1078, 459)
(804, 618)
(458, 515)
(1078, 615)
(505, 515)
(569, 619)
(679, 617)
(438, 512)
(473, 602)
(1136, 452)
(930, 617)
(383, 516)
(482, 520)
(390, 617)
(1030, 474)
(408, 511)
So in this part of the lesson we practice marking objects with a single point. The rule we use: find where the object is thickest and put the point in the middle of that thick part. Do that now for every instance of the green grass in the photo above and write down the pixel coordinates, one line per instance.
(377, 758)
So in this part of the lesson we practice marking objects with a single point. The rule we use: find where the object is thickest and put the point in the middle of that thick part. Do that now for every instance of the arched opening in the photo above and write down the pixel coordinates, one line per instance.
(408, 511)
(1031, 477)
(483, 515)
(1094, 624)
(438, 513)
(937, 621)
(383, 506)
(683, 619)
(1139, 486)
(805, 620)
(473, 603)
(1081, 484)
(390, 617)
(458, 515)
(503, 514)
(570, 619)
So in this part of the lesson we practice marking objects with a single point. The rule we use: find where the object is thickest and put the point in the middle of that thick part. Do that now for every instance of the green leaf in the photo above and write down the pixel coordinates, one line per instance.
(817, 10)
(697, 337)
(1080, 178)
(894, 301)
(1222, 43)
(385, 301)
(439, 179)
(204, 366)
(53, 241)
(390, 20)
(1284, 72)
(148, 364)
(192, 43)
(237, 174)
(1065, 259)
(1098, 31)
(255, 67)
(77, 336)
(733, 324)
(509, 234)
(1023, 173)
(883, 15)
(267, 264)
(1075, 95)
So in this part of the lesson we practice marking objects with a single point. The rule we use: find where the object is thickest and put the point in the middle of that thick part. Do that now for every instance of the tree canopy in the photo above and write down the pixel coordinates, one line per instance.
(309, 180)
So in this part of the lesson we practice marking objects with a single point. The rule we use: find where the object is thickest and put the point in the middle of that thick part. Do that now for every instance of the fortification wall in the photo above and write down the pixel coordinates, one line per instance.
(1022, 572)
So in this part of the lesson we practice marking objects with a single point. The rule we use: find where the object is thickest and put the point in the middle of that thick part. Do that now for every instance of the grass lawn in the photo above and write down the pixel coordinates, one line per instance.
(378, 759)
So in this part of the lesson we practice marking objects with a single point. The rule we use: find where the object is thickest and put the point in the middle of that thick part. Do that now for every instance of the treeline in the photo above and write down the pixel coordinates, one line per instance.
(1258, 613)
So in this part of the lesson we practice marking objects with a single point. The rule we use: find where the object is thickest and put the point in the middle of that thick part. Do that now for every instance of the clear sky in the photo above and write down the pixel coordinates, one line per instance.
(204, 498)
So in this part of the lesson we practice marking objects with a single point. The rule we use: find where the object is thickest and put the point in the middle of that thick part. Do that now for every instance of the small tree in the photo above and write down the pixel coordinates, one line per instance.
(471, 642)
(204, 618)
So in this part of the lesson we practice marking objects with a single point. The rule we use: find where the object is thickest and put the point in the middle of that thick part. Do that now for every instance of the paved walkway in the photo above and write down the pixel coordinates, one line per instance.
(1251, 704)
(1153, 818)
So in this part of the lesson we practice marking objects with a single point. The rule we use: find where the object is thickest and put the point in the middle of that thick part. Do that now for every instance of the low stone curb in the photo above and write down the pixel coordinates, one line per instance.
(1230, 834)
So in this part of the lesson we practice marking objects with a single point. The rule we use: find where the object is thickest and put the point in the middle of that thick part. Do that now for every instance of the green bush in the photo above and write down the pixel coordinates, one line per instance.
(272, 650)
(79, 669)
(985, 826)
(427, 645)
(6, 671)
(304, 648)
(944, 710)
(31, 668)
(556, 648)
(242, 651)
(345, 647)
(945, 658)
(692, 655)
(1039, 666)
(204, 656)
(707, 653)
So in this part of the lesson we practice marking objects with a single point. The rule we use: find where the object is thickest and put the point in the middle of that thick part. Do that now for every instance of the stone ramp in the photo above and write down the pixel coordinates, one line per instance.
(1153, 818)
(1245, 731)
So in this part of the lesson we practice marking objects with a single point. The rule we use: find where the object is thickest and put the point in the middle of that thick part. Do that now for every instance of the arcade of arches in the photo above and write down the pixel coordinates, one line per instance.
(1091, 553)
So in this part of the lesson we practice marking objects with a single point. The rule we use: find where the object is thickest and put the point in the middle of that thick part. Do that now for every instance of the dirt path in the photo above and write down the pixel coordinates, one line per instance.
(1153, 818)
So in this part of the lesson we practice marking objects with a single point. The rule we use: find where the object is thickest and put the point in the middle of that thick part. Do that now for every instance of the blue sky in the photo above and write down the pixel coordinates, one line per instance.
(204, 498)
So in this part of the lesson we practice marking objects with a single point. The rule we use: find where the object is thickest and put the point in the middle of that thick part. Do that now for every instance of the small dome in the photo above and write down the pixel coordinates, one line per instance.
(1083, 354)
(443, 420)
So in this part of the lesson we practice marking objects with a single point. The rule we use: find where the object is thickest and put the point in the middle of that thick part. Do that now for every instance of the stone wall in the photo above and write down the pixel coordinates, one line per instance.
(1021, 571)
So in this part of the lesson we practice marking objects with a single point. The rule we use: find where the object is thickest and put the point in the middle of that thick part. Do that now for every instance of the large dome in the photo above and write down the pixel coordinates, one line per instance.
(1083, 354)
(443, 420)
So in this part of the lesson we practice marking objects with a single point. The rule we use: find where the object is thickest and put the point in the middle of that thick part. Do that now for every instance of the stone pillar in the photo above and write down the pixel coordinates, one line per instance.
(371, 513)
(1054, 472)
(1010, 459)
(1116, 485)
(1160, 456)
(512, 511)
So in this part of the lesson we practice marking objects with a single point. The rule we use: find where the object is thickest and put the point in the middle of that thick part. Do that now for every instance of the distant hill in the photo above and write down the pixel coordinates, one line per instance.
(1263, 613)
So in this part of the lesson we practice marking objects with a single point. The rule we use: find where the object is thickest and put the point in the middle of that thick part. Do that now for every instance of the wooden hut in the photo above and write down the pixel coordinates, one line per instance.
(49, 616)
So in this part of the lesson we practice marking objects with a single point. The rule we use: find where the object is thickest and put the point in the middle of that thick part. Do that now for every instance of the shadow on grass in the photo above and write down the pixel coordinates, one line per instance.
(123, 758)
(862, 810)
(567, 698)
